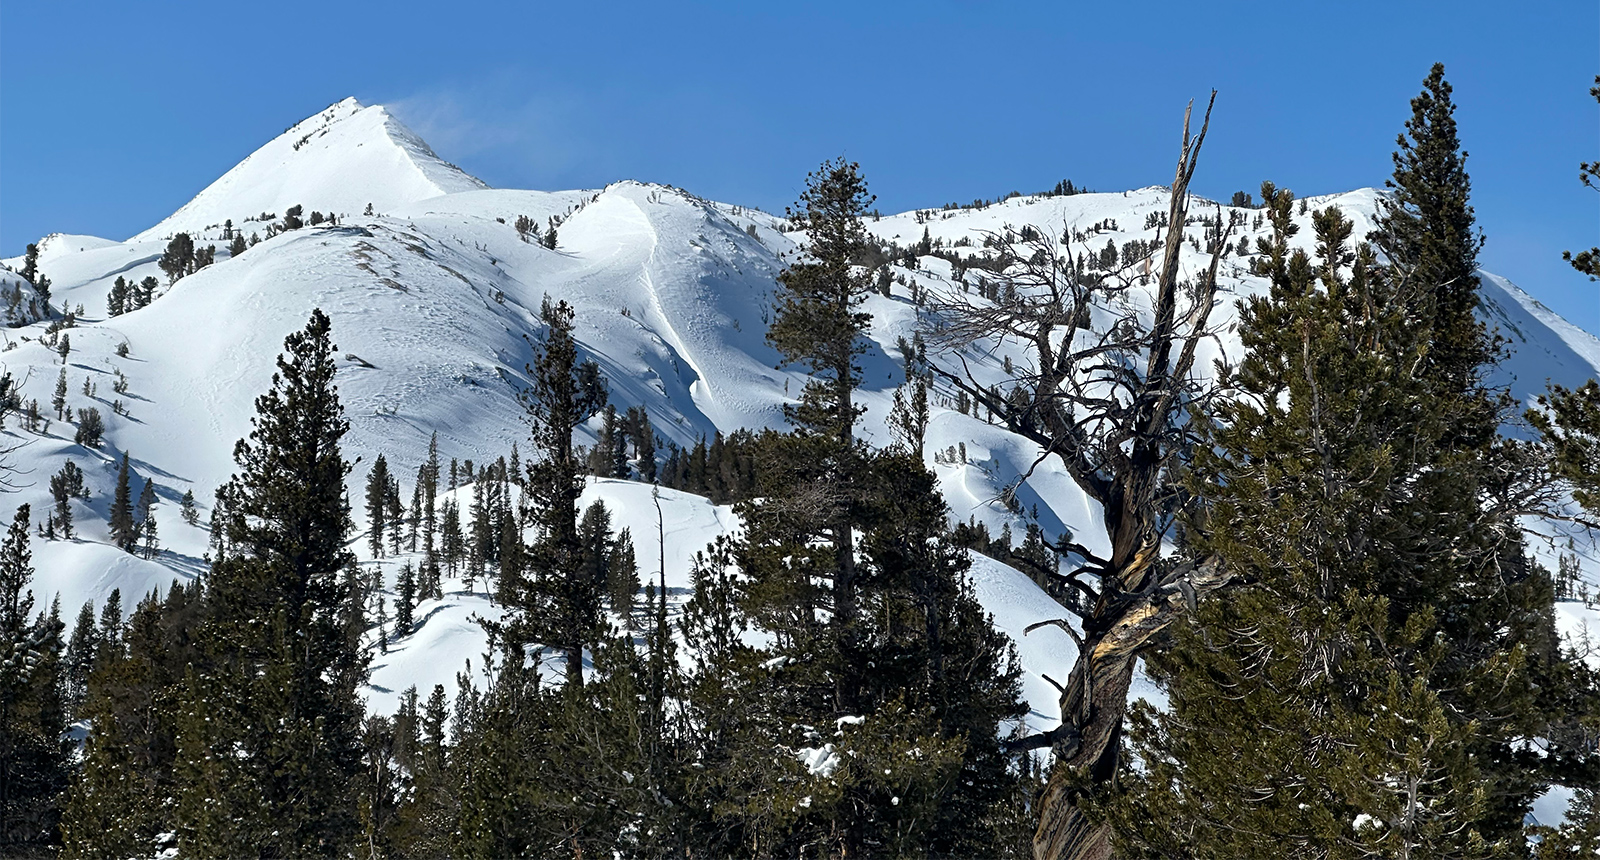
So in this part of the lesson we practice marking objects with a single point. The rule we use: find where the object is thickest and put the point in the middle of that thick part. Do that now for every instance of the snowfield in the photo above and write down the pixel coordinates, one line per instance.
(435, 303)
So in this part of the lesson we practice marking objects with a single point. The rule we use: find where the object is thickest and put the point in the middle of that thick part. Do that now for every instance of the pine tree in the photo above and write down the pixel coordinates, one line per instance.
(819, 324)
(428, 480)
(65, 486)
(1357, 695)
(405, 599)
(33, 756)
(146, 292)
(91, 428)
(124, 531)
(191, 514)
(237, 246)
(450, 539)
(1427, 232)
(414, 517)
(117, 298)
(145, 521)
(269, 732)
(177, 260)
(552, 603)
(58, 401)
(80, 658)
(121, 804)
(644, 442)
(377, 505)
(876, 644)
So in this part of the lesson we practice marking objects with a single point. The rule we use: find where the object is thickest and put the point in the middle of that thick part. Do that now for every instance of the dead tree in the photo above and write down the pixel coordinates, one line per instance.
(1110, 401)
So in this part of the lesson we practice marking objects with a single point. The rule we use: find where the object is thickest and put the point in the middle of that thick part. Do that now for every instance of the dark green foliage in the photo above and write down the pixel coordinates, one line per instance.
(428, 517)
(405, 599)
(65, 486)
(237, 246)
(123, 531)
(269, 727)
(58, 401)
(551, 601)
(178, 259)
(117, 300)
(33, 755)
(1363, 689)
(80, 658)
(643, 438)
(30, 272)
(91, 428)
(608, 559)
(377, 505)
(145, 521)
(1569, 422)
(818, 322)
(191, 514)
(1587, 262)
(122, 799)
(723, 471)
(1427, 233)
(292, 219)
(869, 724)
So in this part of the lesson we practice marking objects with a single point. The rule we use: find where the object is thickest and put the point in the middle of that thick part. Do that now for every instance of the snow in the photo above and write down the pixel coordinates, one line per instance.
(435, 306)
(339, 160)
(1579, 626)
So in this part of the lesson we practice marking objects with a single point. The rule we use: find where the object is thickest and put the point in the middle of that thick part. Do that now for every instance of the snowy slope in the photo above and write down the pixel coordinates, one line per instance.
(340, 160)
(434, 301)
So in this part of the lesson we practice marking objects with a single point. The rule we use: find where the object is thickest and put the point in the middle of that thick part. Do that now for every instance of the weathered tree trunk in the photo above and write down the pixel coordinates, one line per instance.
(1120, 448)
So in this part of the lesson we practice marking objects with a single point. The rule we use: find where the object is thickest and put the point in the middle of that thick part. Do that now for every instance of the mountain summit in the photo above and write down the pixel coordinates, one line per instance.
(339, 160)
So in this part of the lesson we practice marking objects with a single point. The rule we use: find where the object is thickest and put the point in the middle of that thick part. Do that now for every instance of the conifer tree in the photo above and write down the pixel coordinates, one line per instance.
(819, 324)
(428, 480)
(269, 739)
(145, 520)
(91, 428)
(65, 485)
(552, 602)
(1427, 232)
(191, 514)
(33, 755)
(58, 401)
(874, 637)
(405, 599)
(117, 298)
(644, 442)
(1357, 695)
(450, 539)
(177, 260)
(377, 505)
(80, 657)
(124, 530)
(121, 806)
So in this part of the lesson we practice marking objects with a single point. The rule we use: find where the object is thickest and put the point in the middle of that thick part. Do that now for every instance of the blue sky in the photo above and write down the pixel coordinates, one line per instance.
(112, 115)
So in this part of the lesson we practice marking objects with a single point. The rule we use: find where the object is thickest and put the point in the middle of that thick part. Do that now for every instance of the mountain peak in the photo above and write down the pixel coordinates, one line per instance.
(339, 160)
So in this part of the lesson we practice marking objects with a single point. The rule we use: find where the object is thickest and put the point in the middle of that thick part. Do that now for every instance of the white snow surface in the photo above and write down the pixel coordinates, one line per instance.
(435, 302)
(340, 160)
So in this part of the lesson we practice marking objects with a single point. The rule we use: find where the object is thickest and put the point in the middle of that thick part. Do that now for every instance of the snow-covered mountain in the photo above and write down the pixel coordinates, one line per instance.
(434, 300)
(341, 160)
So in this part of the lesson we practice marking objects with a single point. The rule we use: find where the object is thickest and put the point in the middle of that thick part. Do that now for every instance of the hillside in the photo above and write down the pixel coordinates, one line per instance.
(434, 300)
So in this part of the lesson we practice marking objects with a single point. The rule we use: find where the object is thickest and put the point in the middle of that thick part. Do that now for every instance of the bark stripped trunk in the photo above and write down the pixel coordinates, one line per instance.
(1119, 450)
